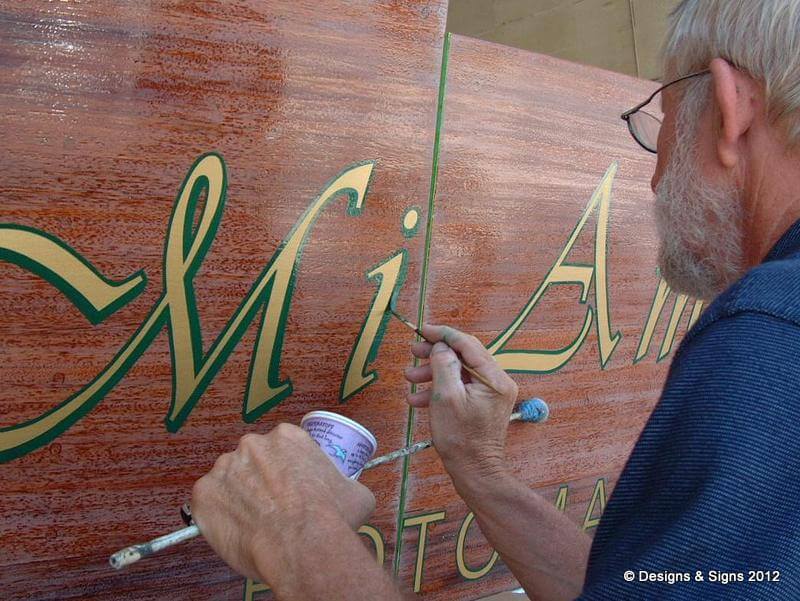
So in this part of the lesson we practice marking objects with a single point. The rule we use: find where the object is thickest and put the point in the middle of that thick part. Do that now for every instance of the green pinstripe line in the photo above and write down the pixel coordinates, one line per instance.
(423, 286)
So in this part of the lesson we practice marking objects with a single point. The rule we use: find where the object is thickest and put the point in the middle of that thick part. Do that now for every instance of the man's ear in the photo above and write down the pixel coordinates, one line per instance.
(732, 93)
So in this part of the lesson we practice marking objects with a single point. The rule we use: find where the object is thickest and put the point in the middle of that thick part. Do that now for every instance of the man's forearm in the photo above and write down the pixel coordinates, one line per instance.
(329, 563)
(545, 551)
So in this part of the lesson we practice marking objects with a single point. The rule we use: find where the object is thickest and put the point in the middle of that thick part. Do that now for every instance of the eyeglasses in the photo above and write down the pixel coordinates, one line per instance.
(643, 126)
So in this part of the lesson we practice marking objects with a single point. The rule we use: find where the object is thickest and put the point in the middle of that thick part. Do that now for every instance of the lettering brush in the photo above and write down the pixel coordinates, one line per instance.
(530, 411)
(467, 369)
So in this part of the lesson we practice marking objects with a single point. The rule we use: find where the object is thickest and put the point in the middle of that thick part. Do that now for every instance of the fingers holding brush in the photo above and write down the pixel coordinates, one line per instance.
(421, 350)
(476, 359)
(419, 399)
(419, 374)
(423, 374)
(471, 350)
(473, 358)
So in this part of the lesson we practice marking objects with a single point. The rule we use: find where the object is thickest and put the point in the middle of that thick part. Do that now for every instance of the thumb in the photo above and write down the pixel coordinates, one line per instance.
(446, 368)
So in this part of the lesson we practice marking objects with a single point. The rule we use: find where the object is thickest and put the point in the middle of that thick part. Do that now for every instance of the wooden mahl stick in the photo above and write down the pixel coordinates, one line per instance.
(466, 368)
(533, 411)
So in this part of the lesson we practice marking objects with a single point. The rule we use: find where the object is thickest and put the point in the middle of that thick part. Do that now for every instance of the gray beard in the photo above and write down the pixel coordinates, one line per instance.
(699, 225)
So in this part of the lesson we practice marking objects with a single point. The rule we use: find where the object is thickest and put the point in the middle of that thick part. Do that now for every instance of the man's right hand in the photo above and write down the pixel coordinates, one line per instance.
(468, 419)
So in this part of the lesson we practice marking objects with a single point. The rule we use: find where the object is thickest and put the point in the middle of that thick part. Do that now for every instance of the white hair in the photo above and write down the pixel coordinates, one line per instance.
(760, 37)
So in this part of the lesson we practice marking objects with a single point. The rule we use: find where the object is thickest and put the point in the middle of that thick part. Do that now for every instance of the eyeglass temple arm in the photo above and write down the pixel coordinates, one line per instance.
(627, 114)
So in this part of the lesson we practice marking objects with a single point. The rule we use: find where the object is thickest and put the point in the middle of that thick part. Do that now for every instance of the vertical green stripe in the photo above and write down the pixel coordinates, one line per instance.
(423, 286)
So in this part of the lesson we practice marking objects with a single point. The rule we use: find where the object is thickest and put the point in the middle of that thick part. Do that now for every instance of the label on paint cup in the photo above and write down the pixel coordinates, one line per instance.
(349, 444)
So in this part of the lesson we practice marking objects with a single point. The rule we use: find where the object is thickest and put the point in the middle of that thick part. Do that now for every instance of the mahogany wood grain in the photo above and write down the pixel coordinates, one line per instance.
(103, 109)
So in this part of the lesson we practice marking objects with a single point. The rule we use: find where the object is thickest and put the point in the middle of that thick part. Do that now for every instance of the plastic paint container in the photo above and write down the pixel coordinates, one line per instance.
(349, 444)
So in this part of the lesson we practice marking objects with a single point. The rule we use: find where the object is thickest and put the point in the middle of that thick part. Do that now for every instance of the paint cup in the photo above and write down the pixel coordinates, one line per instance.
(349, 444)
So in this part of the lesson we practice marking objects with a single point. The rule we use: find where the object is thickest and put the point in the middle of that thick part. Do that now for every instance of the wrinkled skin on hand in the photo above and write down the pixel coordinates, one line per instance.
(269, 493)
(469, 420)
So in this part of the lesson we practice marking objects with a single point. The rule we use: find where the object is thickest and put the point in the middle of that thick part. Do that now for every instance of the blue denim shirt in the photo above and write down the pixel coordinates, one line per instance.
(713, 484)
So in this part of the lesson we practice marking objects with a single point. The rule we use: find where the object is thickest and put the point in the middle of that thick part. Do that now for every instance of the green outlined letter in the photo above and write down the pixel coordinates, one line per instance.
(390, 276)
(656, 309)
(568, 273)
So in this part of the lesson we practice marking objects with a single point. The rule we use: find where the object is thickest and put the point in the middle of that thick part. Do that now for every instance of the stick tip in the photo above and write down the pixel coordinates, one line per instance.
(123, 558)
(534, 411)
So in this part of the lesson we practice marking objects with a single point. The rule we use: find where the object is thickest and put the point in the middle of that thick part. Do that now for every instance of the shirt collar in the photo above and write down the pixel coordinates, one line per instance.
(788, 244)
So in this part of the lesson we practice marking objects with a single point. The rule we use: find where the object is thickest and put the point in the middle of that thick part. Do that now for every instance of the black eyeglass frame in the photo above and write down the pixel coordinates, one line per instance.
(626, 116)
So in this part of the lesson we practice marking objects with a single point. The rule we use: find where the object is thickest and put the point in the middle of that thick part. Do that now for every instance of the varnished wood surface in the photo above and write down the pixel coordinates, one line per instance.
(526, 139)
(105, 106)
(104, 109)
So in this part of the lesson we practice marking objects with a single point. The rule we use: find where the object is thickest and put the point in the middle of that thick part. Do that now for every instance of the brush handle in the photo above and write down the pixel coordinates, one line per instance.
(479, 377)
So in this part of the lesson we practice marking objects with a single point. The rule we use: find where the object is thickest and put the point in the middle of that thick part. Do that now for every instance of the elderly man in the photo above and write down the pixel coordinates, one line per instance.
(711, 485)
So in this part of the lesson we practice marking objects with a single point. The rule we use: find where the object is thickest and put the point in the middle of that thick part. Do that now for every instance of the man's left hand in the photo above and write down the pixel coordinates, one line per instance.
(273, 491)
